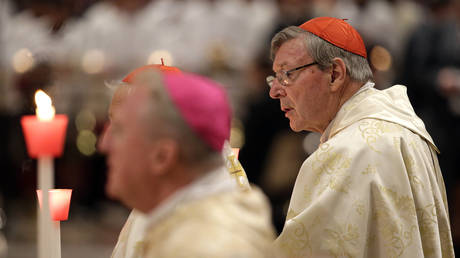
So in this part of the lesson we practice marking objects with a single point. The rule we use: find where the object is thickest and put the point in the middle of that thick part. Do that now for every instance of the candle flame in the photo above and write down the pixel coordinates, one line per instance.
(45, 110)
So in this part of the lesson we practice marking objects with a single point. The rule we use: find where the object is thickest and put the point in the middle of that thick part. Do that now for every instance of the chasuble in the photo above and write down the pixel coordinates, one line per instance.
(373, 188)
(213, 217)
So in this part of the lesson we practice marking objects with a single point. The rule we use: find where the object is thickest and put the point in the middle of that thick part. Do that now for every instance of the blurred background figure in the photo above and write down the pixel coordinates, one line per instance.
(70, 47)
(431, 71)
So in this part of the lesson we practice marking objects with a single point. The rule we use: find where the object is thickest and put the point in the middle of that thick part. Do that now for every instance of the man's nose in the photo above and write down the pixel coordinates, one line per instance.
(104, 139)
(277, 90)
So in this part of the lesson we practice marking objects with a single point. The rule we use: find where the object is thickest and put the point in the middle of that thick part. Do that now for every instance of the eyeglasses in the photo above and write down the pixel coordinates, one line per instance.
(285, 77)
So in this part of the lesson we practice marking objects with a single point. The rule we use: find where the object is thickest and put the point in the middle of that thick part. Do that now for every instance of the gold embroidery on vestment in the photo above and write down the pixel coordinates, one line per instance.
(297, 242)
(331, 170)
(342, 241)
(371, 130)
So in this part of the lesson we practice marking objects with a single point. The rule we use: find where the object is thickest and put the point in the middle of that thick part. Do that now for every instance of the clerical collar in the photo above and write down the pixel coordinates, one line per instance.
(216, 181)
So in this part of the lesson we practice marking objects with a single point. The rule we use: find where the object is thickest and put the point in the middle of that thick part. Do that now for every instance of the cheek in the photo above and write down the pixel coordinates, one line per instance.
(123, 176)
(303, 100)
(123, 143)
(309, 103)
(132, 152)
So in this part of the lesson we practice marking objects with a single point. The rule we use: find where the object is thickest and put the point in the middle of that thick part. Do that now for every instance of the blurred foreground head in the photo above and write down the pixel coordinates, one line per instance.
(166, 129)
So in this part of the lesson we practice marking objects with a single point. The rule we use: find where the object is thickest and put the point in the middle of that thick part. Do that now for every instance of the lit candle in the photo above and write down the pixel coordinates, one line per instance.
(44, 135)
(45, 132)
(59, 200)
(59, 203)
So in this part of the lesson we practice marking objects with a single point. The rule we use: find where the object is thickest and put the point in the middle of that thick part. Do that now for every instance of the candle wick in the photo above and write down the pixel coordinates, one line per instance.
(162, 61)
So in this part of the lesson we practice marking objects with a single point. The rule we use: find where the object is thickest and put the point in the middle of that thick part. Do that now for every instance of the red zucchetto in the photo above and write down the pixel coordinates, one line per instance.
(337, 32)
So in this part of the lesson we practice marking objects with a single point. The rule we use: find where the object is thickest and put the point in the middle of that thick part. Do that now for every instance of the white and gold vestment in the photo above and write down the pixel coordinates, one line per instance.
(373, 188)
(212, 217)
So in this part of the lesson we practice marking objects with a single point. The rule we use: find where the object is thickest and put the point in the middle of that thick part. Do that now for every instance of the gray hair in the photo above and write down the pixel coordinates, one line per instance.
(164, 119)
(324, 52)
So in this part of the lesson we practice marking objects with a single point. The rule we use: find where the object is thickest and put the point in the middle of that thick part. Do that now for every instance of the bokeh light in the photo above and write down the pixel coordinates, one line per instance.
(23, 60)
(380, 58)
(86, 142)
(311, 142)
(156, 56)
(93, 61)
(85, 120)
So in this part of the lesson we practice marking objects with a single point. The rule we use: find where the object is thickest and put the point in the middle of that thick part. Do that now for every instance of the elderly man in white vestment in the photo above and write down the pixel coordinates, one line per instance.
(373, 188)
(164, 144)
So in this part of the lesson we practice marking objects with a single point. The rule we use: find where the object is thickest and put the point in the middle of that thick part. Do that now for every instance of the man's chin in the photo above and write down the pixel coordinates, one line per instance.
(294, 127)
(110, 191)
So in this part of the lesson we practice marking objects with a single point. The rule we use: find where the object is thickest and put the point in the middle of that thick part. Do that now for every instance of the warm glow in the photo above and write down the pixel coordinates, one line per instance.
(45, 110)
(23, 60)
(156, 56)
(380, 58)
(85, 120)
(93, 61)
(59, 203)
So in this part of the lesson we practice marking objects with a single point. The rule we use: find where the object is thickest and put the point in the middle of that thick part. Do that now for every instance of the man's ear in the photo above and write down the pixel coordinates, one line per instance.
(163, 155)
(338, 74)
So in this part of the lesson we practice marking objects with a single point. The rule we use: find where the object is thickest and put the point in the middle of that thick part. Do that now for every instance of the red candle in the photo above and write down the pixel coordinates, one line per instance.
(44, 135)
(59, 203)
(44, 138)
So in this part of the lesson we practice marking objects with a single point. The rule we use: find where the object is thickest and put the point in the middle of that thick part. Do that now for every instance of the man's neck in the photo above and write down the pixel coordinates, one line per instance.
(176, 179)
(346, 92)
(349, 90)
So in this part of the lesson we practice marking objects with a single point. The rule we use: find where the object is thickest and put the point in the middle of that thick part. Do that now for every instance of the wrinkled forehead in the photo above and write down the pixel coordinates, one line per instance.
(291, 52)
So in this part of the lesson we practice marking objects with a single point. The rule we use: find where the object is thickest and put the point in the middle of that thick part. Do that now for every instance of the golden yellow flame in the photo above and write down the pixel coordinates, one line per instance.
(45, 110)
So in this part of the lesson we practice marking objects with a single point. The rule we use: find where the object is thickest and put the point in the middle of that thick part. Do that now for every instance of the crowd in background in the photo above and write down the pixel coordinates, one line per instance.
(72, 48)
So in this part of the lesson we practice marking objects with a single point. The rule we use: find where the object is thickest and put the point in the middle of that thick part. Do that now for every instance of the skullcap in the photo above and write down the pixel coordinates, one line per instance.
(202, 103)
(163, 68)
(337, 32)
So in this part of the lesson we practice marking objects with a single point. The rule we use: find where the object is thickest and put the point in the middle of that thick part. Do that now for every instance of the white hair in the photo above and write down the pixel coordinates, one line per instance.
(324, 52)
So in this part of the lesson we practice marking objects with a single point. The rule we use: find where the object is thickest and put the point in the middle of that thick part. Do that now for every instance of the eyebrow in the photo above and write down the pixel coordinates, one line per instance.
(281, 66)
